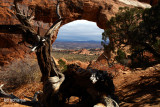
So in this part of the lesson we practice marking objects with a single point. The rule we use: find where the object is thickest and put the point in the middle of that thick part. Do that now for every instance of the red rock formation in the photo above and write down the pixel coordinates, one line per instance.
(82, 51)
(98, 11)
(93, 10)
(8, 43)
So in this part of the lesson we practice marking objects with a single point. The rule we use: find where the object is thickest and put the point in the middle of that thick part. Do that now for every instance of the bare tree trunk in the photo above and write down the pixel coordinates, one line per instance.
(51, 78)
(45, 63)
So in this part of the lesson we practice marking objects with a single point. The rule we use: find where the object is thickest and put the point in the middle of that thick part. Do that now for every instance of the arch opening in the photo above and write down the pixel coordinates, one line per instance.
(78, 40)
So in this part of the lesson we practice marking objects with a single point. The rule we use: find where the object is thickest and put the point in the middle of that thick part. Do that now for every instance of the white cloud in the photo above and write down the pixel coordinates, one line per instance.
(80, 30)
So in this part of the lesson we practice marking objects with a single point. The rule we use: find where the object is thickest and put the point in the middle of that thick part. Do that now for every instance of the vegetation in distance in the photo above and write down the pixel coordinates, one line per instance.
(72, 57)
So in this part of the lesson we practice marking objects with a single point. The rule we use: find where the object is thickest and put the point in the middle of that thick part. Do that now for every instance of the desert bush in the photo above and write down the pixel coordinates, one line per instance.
(20, 73)
(157, 45)
(62, 65)
(121, 55)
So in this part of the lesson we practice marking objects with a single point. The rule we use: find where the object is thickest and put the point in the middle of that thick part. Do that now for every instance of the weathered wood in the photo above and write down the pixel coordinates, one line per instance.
(45, 63)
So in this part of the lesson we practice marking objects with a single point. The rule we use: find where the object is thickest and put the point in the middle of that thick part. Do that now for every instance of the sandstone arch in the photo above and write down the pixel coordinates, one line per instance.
(98, 11)
(91, 10)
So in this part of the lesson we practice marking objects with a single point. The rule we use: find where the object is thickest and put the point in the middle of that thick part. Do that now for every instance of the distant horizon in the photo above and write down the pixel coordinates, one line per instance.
(98, 41)
(80, 30)
(59, 40)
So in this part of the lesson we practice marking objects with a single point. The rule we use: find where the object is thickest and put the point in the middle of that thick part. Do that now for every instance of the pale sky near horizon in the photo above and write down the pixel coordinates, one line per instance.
(80, 30)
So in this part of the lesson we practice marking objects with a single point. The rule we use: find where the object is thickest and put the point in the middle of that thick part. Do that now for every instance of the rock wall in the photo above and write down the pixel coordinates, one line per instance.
(98, 11)
(9, 50)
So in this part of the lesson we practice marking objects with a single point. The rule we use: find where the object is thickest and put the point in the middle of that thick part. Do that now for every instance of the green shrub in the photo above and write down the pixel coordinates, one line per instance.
(62, 65)
(120, 56)
(157, 45)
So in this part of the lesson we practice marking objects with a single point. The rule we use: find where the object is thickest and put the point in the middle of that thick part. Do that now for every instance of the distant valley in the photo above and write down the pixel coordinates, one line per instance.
(60, 45)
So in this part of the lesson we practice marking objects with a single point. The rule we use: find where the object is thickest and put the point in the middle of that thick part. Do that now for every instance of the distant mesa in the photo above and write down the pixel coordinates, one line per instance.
(83, 51)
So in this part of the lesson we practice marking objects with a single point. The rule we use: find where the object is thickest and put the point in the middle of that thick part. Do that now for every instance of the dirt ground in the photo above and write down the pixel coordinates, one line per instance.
(139, 88)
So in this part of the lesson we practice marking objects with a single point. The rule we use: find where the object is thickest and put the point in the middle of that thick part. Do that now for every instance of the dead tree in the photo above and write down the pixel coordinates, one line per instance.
(51, 78)
(54, 83)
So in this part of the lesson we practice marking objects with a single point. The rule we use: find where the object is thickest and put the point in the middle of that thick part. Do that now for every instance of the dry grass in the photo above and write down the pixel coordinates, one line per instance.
(20, 73)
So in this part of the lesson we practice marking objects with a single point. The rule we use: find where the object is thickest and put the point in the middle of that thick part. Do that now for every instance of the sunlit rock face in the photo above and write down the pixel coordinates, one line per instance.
(98, 11)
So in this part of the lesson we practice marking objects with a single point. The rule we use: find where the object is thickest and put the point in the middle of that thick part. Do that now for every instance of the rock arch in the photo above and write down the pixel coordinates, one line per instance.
(98, 11)
(92, 10)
